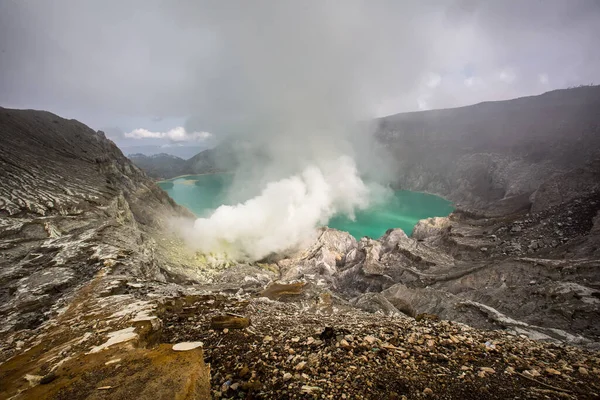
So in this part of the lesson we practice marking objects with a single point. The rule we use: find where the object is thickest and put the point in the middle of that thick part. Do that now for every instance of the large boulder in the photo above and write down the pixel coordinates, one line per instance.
(321, 259)
(430, 227)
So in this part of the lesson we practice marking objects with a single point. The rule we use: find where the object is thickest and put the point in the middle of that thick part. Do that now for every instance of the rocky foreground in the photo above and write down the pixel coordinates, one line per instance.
(284, 344)
(101, 299)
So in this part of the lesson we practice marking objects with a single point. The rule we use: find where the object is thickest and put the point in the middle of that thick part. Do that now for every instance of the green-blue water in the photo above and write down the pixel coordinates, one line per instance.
(204, 193)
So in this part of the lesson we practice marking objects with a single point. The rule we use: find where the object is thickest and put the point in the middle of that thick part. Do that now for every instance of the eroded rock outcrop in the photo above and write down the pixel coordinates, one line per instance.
(504, 267)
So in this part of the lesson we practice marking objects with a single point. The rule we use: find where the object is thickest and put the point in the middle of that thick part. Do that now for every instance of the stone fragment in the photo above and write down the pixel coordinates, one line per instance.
(300, 366)
(532, 373)
(426, 316)
(48, 378)
(185, 346)
(277, 290)
(552, 371)
(370, 339)
(229, 322)
(310, 389)
(243, 372)
(33, 379)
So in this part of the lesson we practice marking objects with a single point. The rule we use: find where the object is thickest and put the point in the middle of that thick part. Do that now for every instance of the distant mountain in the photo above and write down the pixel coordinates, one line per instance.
(164, 166)
(159, 165)
(184, 152)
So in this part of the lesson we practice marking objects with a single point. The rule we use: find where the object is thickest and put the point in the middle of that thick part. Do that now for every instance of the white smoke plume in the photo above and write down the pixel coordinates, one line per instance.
(296, 89)
(285, 213)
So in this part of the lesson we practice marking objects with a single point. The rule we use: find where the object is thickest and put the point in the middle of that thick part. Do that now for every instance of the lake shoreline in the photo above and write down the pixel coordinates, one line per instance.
(186, 175)
(391, 186)
(403, 209)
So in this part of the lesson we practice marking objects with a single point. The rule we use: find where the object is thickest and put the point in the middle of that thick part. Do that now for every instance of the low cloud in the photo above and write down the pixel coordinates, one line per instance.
(433, 81)
(507, 75)
(474, 82)
(178, 134)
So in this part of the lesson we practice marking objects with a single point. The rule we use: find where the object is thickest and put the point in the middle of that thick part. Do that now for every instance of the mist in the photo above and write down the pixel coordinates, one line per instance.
(300, 86)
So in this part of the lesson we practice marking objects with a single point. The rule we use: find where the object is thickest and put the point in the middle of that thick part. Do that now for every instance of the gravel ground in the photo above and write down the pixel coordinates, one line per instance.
(294, 350)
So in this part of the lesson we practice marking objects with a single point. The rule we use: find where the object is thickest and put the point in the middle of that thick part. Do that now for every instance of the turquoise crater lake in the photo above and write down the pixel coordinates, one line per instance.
(203, 193)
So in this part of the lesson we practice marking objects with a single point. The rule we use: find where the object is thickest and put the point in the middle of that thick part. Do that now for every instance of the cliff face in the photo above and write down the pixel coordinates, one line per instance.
(70, 204)
(486, 152)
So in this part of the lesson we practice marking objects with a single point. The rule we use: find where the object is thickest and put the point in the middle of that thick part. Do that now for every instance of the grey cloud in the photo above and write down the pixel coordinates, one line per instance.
(237, 66)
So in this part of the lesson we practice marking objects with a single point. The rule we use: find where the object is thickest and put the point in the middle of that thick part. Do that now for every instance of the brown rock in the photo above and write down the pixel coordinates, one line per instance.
(370, 339)
(48, 378)
(229, 322)
(425, 316)
(243, 372)
(277, 290)
(160, 373)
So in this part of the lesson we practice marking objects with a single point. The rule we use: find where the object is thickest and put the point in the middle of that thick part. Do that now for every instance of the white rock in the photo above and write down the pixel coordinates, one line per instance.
(33, 379)
(124, 335)
(185, 346)
(370, 339)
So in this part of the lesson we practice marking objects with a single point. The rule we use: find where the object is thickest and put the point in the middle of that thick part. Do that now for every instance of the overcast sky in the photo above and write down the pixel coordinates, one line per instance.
(179, 72)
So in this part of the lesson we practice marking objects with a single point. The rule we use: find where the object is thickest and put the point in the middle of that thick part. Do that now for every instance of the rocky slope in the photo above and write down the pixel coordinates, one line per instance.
(96, 289)
(489, 151)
